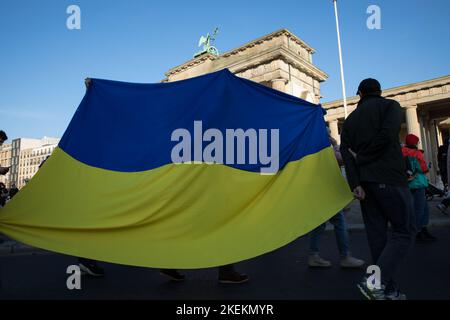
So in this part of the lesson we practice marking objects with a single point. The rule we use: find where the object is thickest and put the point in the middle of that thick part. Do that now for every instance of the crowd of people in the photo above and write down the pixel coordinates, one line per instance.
(388, 177)
(5, 193)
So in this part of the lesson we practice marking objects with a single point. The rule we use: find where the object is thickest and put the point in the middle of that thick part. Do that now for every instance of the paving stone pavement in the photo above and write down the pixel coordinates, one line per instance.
(280, 274)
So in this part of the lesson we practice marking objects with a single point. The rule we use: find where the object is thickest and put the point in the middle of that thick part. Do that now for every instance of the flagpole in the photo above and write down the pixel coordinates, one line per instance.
(340, 58)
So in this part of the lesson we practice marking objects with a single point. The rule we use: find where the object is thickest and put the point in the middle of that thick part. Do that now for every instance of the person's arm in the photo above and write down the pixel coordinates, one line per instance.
(387, 135)
(338, 155)
(351, 169)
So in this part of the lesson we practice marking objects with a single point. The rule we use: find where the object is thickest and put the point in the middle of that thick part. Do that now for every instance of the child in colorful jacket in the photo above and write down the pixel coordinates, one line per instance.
(418, 182)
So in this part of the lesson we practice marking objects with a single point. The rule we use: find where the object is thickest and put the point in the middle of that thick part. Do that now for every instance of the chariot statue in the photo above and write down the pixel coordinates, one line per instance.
(206, 41)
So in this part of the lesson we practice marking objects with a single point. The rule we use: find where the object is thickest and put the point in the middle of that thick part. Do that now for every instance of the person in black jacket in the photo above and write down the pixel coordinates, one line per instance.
(87, 266)
(4, 195)
(376, 174)
(442, 162)
(3, 171)
(13, 190)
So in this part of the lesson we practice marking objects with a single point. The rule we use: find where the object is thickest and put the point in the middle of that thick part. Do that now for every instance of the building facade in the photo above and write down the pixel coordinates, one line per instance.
(30, 160)
(284, 62)
(279, 60)
(426, 113)
(25, 157)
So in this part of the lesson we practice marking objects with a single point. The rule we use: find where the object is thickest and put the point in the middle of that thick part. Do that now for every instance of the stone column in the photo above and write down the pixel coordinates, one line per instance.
(279, 84)
(423, 131)
(334, 131)
(429, 146)
(432, 157)
(439, 134)
(412, 122)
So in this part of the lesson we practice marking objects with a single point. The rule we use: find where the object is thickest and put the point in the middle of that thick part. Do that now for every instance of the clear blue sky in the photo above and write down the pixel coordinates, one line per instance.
(43, 64)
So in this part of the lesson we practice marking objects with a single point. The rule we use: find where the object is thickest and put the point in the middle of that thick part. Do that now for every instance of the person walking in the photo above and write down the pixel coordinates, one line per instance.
(376, 174)
(3, 138)
(418, 182)
(88, 267)
(443, 160)
(340, 231)
(4, 194)
(3, 171)
(13, 190)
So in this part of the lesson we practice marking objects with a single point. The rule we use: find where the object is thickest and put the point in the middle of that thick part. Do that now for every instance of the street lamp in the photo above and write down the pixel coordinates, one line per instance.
(340, 58)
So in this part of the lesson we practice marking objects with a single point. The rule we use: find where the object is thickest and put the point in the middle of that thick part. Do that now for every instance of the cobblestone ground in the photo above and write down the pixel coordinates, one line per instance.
(282, 274)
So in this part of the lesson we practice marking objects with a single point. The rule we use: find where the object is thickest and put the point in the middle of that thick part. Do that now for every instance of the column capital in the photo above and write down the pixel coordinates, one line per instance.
(412, 121)
(279, 84)
(413, 106)
(280, 80)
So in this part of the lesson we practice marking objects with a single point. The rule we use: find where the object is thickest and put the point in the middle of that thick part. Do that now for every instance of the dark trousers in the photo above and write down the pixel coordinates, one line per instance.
(394, 205)
(420, 208)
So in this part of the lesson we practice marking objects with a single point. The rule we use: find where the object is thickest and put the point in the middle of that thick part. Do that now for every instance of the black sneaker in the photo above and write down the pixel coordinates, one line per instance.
(427, 235)
(371, 294)
(420, 237)
(173, 274)
(91, 268)
(232, 277)
(395, 295)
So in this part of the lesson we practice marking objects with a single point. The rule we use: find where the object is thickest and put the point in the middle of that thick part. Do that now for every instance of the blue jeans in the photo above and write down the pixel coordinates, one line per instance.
(420, 208)
(340, 230)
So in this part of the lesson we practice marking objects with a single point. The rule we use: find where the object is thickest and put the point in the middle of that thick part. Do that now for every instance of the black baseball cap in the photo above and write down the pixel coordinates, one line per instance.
(369, 86)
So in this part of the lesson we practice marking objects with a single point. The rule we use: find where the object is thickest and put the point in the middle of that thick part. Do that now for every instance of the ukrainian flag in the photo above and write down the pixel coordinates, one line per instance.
(111, 191)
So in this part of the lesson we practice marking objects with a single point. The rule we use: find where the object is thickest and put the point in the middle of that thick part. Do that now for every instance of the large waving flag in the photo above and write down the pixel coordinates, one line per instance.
(114, 191)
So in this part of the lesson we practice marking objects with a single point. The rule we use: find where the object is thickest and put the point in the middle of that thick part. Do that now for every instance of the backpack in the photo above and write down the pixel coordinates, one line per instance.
(416, 177)
(410, 167)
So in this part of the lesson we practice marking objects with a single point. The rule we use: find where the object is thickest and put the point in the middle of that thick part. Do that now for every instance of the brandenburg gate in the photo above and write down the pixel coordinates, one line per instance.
(284, 62)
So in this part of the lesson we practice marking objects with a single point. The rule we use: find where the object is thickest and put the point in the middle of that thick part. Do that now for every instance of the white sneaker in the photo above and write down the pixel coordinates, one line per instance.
(371, 293)
(351, 262)
(315, 260)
